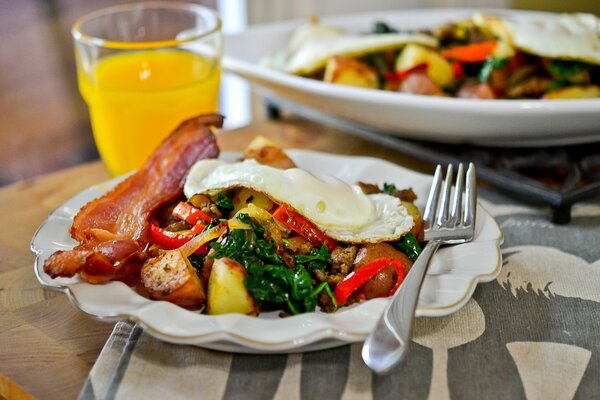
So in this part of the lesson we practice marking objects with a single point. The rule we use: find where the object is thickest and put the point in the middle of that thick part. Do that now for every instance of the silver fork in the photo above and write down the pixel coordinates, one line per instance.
(389, 342)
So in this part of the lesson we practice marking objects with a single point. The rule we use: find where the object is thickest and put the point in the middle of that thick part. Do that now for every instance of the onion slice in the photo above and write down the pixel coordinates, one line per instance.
(190, 247)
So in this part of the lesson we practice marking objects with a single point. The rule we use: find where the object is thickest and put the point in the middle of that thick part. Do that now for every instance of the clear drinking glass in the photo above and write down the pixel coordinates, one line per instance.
(142, 69)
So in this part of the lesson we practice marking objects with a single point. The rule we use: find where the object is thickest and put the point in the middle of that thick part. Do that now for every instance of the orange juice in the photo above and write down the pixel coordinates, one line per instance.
(136, 99)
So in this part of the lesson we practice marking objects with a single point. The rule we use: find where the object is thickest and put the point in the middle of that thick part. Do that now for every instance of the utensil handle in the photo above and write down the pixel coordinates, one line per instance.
(387, 344)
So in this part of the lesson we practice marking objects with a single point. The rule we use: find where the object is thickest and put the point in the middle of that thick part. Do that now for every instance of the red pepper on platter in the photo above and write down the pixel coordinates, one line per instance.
(289, 217)
(471, 53)
(173, 240)
(458, 70)
(198, 229)
(399, 76)
(190, 214)
(360, 276)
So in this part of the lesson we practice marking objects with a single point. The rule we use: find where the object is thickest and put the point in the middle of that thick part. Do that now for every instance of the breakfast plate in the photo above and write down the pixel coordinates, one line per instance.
(450, 283)
(451, 120)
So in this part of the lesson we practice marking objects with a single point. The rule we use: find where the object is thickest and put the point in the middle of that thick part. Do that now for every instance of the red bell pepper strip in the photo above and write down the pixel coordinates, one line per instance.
(458, 70)
(167, 239)
(360, 276)
(172, 240)
(197, 229)
(471, 53)
(289, 217)
(401, 75)
(190, 214)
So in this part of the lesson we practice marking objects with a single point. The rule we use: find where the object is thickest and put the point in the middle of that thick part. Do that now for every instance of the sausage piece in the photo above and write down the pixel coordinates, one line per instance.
(420, 83)
(380, 284)
(474, 90)
(169, 277)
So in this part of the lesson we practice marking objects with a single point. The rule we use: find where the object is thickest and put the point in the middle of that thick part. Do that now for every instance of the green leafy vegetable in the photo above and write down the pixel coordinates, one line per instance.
(301, 289)
(224, 203)
(379, 63)
(269, 279)
(381, 27)
(267, 251)
(489, 65)
(389, 188)
(279, 284)
(268, 283)
(556, 85)
(238, 247)
(197, 261)
(409, 245)
(316, 259)
(210, 226)
(566, 69)
(257, 228)
(325, 286)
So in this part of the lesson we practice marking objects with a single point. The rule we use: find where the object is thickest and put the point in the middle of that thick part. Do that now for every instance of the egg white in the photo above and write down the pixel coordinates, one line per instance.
(313, 44)
(341, 211)
(561, 36)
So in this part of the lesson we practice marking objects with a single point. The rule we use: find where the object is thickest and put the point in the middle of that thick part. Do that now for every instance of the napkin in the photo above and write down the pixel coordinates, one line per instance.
(532, 333)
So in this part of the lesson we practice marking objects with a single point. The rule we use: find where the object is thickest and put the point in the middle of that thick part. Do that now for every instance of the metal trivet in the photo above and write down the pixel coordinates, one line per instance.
(556, 176)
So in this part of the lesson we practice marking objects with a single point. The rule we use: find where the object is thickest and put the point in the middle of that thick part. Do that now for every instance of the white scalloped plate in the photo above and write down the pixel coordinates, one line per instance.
(449, 284)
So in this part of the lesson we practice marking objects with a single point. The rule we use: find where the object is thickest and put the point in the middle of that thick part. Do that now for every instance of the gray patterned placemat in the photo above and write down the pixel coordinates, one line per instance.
(532, 333)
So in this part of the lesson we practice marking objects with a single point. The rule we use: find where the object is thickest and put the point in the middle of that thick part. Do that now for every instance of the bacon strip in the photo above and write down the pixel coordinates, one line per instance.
(113, 230)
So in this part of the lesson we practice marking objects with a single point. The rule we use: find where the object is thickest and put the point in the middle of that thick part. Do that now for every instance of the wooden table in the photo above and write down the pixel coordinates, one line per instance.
(47, 347)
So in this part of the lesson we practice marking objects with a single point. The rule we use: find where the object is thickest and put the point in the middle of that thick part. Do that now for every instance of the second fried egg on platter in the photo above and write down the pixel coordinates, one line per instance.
(562, 36)
(340, 210)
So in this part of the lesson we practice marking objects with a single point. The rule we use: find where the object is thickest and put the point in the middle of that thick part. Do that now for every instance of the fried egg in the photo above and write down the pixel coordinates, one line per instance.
(340, 210)
(313, 44)
(562, 36)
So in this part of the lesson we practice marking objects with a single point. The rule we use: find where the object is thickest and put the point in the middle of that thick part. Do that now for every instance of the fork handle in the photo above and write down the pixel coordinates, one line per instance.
(387, 344)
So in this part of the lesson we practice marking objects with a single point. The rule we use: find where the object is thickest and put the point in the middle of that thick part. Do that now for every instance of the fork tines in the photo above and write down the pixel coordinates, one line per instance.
(447, 211)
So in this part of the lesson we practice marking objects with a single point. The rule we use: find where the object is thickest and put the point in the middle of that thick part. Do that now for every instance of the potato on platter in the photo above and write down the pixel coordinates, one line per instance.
(504, 50)
(438, 69)
(246, 196)
(414, 212)
(350, 72)
(170, 277)
(226, 290)
(267, 152)
(574, 92)
(259, 142)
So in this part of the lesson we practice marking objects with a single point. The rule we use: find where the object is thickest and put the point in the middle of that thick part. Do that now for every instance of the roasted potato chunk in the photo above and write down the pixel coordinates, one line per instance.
(268, 153)
(350, 72)
(438, 68)
(574, 92)
(414, 212)
(504, 50)
(170, 277)
(245, 196)
(226, 290)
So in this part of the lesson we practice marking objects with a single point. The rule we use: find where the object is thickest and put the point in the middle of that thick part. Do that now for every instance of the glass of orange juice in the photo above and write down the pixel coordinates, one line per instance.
(142, 69)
